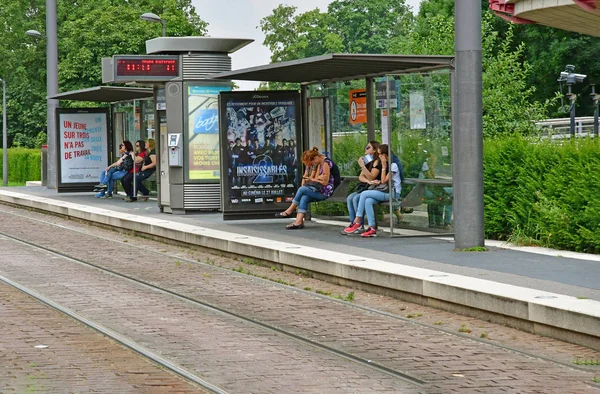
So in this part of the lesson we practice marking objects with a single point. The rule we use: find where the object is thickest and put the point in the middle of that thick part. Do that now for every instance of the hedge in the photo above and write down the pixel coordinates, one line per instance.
(543, 192)
(23, 165)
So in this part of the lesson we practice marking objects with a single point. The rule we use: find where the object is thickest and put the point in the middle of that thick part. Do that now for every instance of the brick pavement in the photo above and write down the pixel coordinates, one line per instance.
(76, 359)
(449, 363)
(234, 355)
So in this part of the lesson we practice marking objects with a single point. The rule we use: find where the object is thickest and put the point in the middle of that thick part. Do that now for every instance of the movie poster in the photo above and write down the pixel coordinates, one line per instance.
(260, 149)
(203, 132)
(83, 146)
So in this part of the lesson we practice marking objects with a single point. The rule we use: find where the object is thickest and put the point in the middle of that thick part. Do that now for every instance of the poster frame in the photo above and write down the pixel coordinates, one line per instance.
(255, 211)
(80, 186)
(187, 131)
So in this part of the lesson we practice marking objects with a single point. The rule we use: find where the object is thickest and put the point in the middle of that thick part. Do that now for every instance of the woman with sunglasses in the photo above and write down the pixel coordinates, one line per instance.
(318, 184)
(127, 181)
(113, 172)
(370, 170)
(379, 192)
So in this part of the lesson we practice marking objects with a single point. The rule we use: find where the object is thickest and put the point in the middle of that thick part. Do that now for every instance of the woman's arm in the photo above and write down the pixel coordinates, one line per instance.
(309, 173)
(323, 179)
(366, 175)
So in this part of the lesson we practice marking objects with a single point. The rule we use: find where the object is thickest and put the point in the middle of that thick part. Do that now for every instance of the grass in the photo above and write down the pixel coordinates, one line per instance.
(473, 249)
(596, 379)
(322, 292)
(582, 298)
(438, 323)
(206, 275)
(595, 362)
(413, 315)
(178, 263)
(464, 328)
(11, 183)
(349, 297)
(484, 335)
(308, 288)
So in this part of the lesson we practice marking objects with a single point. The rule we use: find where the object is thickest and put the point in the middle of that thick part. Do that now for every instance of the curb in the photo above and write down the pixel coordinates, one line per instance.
(555, 315)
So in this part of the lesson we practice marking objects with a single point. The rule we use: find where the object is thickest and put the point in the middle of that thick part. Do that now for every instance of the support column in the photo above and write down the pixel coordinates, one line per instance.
(51, 90)
(370, 110)
(468, 131)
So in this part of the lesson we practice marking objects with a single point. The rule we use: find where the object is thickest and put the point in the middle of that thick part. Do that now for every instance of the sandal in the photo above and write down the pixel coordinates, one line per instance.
(283, 214)
(143, 198)
(294, 226)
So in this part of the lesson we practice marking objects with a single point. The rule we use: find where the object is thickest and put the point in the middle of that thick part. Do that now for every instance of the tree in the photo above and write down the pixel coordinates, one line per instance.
(87, 31)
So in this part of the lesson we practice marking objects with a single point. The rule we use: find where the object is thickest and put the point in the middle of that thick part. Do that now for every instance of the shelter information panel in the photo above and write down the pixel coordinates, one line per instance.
(150, 68)
(260, 150)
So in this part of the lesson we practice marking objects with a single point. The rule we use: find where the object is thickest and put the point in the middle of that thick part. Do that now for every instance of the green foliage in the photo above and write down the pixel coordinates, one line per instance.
(23, 165)
(87, 31)
(543, 191)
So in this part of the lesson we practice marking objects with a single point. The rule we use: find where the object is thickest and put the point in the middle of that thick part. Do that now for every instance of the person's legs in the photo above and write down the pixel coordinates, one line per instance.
(352, 206)
(141, 177)
(308, 196)
(116, 176)
(369, 198)
(127, 183)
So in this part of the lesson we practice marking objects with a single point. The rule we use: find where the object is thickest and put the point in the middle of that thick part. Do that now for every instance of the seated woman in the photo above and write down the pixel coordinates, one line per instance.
(317, 185)
(114, 172)
(127, 181)
(371, 197)
(369, 172)
(148, 168)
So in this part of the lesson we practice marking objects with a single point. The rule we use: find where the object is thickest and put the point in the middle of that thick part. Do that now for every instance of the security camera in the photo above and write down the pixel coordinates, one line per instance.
(570, 68)
(575, 78)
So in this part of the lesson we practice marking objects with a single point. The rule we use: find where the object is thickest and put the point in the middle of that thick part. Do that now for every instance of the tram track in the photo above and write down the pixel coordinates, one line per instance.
(368, 309)
(367, 364)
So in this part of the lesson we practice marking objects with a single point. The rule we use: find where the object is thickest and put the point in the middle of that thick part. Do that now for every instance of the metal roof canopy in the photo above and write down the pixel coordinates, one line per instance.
(109, 94)
(338, 67)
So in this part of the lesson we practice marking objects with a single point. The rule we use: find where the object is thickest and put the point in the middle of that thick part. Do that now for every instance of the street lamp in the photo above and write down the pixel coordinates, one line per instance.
(571, 78)
(34, 33)
(4, 138)
(150, 17)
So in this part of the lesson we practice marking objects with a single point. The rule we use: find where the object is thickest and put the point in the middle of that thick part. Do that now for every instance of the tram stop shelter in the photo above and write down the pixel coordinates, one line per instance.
(406, 102)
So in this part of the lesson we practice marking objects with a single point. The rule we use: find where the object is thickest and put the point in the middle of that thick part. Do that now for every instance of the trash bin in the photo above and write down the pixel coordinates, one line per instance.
(44, 165)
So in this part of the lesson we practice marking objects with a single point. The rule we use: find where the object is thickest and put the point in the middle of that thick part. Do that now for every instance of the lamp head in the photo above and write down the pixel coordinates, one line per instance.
(150, 17)
(34, 33)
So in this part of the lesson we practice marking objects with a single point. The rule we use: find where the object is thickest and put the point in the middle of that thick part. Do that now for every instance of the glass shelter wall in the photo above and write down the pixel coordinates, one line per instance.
(420, 125)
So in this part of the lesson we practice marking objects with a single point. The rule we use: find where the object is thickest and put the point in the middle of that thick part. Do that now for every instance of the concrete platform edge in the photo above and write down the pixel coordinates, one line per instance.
(564, 317)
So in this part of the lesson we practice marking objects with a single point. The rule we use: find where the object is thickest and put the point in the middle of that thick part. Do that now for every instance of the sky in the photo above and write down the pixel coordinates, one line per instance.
(241, 18)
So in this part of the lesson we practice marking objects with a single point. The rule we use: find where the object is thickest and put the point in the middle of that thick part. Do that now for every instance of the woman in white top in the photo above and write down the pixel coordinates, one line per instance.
(372, 197)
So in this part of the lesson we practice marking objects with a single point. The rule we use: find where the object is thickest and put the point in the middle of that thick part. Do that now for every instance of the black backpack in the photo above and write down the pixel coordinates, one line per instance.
(127, 163)
(335, 172)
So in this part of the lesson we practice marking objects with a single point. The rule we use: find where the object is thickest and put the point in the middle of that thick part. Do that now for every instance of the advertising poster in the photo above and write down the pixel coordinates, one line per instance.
(203, 132)
(381, 94)
(83, 146)
(260, 150)
(358, 106)
(417, 110)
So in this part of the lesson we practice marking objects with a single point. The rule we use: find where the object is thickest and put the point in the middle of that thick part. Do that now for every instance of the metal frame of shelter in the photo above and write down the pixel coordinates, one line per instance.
(344, 67)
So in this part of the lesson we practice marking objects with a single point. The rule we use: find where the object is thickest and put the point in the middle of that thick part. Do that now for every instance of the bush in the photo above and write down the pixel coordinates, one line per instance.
(543, 192)
(23, 165)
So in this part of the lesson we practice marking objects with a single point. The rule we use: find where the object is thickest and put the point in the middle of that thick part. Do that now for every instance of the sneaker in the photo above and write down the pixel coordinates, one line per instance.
(100, 195)
(101, 186)
(371, 232)
(109, 195)
(354, 228)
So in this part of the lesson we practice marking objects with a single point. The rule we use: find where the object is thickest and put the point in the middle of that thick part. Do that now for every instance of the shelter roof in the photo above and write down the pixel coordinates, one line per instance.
(108, 94)
(338, 67)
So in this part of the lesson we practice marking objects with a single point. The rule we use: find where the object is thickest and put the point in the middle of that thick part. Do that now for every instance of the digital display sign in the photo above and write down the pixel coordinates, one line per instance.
(148, 68)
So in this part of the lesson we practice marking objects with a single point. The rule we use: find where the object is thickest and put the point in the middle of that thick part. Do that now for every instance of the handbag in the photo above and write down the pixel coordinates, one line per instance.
(361, 187)
(313, 185)
(382, 187)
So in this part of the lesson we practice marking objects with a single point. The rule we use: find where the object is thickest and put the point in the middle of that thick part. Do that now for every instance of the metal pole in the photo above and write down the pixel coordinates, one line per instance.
(370, 110)
(390, 154)
(164, 27)
(468, 133)
(51, 90)
(572, 99)
(595, 101)
(4, 137)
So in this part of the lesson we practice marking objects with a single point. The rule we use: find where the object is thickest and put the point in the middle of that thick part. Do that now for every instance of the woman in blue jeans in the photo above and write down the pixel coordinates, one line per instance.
(113, 172)
(317, 185)
(369, 198)
(369, 172)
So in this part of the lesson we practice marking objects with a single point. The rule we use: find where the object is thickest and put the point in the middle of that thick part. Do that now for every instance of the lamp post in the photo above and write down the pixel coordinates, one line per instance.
(4, 138)
(51, 86)
(150, 17)
(595, 98)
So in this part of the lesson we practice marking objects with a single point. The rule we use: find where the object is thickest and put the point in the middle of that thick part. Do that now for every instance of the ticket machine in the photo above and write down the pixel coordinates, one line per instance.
(186, 105)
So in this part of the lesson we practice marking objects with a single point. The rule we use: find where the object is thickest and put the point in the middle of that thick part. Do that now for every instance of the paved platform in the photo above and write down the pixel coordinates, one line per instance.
(555, 290)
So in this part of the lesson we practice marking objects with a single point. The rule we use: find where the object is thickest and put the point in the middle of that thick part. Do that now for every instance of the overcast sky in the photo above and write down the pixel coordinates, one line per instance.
(241, 18)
